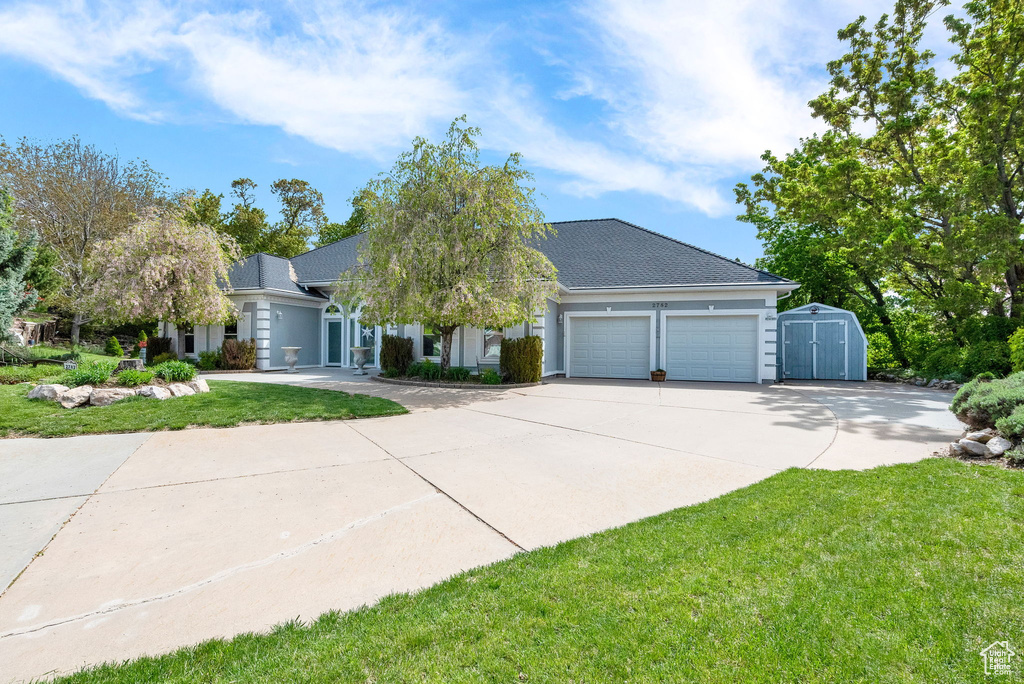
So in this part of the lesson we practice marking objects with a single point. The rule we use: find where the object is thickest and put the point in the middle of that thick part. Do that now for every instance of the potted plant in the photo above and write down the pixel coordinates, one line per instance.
(658, 375)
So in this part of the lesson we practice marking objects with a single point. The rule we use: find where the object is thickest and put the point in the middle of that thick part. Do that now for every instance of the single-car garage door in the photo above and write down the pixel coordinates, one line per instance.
(714, 348)
(610, 347)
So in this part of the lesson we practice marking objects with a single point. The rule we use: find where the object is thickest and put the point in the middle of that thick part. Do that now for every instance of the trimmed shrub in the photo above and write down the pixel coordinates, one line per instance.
(95, 373)
(490, 377)
(982, 402)
(130, 377)
(209, 360)
(520, 359)
(161, 358)
(113, 347)
(175, 371)
(1016, 345)
(457, 374)
(396, 352)
(238, 354)
(991, 356)
(156, 346)
(142, 336)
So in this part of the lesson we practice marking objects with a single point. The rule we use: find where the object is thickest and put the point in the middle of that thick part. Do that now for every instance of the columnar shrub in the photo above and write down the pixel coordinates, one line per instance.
(520, 359)
(156, 346)
(396, 353)
(113, 347)
(238, 354)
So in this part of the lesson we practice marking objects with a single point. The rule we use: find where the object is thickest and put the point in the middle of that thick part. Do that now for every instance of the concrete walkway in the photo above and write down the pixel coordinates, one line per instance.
(207, 533)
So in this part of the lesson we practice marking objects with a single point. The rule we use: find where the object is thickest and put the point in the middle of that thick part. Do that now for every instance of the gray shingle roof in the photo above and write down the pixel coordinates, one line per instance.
(266, 272)
(615, 253)
(597, 253)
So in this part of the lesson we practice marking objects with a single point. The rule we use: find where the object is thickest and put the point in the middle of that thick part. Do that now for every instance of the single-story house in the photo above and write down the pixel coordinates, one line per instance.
(629, 301)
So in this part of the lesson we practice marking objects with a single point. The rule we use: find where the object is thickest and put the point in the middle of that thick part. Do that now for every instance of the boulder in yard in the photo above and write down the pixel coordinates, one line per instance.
(76, 396)
(125, 364)
(999, 445)
(179, 389)
(105, 396)
(956, 451)
(982, 436)
(153, 392)
(199, 385)
(50, 392)
(975, 448)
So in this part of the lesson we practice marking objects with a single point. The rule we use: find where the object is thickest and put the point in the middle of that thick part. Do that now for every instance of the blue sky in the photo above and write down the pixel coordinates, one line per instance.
(644, 110)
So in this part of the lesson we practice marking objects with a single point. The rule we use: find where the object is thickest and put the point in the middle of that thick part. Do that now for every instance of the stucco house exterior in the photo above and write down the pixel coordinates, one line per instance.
(629, 301)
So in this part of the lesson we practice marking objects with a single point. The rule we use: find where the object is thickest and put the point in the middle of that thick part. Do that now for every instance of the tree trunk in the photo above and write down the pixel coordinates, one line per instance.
(180, 335)
(887, 323)
(76, 328)
(447, 334)
(1014, 275)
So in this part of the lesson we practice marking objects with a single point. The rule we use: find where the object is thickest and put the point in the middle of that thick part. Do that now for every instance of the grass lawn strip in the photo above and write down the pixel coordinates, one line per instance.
(228, 403)
(898, 574)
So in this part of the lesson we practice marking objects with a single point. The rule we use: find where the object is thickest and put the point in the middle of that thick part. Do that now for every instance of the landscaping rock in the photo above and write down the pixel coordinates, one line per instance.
(49, 392)
(125, 364)
(982, 436)
(75, 396)
(999, 446)
(956, 451)
(180, 390)
(107, 396)
(199, 385)
(153, 392)
(975, 448)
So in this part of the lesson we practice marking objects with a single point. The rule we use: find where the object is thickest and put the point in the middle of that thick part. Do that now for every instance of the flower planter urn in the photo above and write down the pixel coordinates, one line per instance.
(658, 375)
(360, 355)
(291, 357)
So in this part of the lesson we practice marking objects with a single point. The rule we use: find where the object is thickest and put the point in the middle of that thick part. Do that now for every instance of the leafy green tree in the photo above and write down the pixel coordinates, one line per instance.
(246, 224)
(449, 242)
(42, 274)
(76, 198)
(203, 209)
(15, 258)
(302, 215)
(917, 183)
(332, 232)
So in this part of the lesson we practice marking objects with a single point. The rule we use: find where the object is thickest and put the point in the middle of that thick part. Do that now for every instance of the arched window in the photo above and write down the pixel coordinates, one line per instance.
(333, 310)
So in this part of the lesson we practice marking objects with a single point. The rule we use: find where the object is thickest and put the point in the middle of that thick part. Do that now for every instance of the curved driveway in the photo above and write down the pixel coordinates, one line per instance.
(177, 537)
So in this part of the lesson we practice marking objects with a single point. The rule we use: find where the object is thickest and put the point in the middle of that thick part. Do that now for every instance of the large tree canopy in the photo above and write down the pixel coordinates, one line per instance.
(75, 198)
(450, 242)
(916, 188)
(168, 269)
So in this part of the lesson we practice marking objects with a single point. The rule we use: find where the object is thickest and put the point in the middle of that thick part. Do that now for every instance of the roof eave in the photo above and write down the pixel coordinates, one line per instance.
(787, 286)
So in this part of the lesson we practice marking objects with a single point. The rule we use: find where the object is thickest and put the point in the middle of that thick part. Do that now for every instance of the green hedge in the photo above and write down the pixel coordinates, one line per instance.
(521, 358)
(982, 402)
(396, 353)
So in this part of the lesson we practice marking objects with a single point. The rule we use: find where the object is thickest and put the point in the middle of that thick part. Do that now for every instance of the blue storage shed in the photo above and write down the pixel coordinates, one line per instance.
(820, 342)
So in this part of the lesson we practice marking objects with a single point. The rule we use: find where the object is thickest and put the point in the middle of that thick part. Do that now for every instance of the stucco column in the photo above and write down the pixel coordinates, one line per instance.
(262, 335)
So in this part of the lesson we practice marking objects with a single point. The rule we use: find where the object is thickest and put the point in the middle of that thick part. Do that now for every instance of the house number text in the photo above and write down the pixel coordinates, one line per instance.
(659, 305)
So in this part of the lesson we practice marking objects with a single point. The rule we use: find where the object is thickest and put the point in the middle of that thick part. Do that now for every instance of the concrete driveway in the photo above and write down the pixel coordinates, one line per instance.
(177, 537)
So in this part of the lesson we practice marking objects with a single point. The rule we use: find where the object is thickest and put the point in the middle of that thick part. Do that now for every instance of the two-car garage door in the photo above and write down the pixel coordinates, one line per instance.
(717, 348)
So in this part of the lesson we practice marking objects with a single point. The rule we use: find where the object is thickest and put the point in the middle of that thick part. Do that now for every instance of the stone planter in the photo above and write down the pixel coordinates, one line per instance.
(291, 357)
(658, 376)
(360, 355)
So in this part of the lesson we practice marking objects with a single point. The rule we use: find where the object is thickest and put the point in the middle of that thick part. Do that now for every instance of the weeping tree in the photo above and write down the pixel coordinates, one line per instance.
(166, 268)
(450, 242)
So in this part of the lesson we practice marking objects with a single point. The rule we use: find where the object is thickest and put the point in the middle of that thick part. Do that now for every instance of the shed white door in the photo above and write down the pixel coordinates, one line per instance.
(610, 347)
(713, 348)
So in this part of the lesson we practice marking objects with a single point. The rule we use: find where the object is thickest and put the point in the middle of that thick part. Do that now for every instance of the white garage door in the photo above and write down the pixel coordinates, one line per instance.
(610, 347)
(715, 348)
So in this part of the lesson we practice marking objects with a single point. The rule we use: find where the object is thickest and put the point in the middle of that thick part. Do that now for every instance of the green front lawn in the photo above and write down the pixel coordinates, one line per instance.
(898, 574)
(228, 403)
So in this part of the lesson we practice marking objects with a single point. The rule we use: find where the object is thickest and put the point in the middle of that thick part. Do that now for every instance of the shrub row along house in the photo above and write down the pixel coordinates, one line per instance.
(629, 301)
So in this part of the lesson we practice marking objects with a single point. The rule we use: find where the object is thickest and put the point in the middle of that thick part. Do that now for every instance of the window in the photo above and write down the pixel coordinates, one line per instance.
(231, 331)
(492, 342)
(190, 340)
(431, 341)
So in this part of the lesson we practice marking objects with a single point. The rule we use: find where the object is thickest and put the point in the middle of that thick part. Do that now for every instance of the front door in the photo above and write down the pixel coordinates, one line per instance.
(334, 335)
